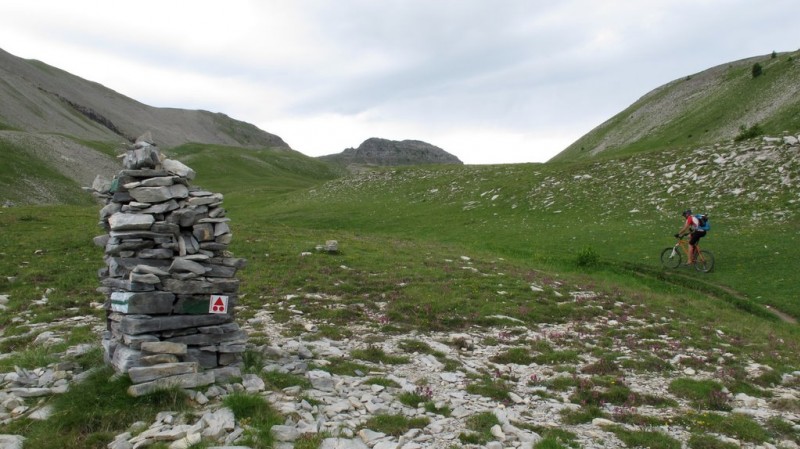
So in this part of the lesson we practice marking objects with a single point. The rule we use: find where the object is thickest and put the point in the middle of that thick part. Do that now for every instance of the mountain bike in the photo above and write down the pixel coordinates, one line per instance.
(671, 257)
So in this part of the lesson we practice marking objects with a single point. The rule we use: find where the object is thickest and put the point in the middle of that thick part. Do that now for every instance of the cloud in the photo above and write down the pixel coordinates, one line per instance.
(505, 81)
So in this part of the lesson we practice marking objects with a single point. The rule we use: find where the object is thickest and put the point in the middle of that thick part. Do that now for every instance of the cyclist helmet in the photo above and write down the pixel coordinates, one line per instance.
(687, 212)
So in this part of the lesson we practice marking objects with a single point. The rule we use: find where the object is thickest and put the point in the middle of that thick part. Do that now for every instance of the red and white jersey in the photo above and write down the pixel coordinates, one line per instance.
(692, 222)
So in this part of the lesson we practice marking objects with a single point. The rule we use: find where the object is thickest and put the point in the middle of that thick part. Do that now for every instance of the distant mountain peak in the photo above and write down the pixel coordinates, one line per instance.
(385, 152)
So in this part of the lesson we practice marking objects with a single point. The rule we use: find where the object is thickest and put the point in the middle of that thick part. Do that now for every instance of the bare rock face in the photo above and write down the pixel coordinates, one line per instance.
(382, 152)
(169, 277)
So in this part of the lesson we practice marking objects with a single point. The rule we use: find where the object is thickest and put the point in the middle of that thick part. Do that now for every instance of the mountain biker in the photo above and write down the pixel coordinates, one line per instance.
(691, 226)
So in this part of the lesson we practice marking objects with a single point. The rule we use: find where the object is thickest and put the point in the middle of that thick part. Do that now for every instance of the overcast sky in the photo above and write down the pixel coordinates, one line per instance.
(501, 81)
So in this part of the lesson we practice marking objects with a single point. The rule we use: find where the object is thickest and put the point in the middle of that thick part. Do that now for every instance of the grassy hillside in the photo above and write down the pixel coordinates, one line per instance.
(701, 109)
(36, 97)
(25, 179)
(543, 216)
(252, 174)
(625, 211)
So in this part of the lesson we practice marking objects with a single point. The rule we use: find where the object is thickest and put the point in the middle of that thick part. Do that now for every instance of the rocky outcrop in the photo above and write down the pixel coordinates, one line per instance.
(383, 152)
(339, 406)
(169, 277)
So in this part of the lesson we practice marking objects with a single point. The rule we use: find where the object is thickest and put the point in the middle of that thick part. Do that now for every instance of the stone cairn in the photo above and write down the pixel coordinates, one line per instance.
(169, 278)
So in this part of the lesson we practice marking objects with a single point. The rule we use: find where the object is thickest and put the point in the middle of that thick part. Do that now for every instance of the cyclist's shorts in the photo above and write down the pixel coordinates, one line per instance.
(696, 236)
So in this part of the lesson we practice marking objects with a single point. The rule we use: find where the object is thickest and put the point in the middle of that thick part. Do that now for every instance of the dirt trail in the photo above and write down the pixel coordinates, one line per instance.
(738, 295)
(710, 286)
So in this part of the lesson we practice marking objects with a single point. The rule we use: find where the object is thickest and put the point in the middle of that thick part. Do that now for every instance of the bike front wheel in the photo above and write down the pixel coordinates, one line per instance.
(670, 257)
(704, 262)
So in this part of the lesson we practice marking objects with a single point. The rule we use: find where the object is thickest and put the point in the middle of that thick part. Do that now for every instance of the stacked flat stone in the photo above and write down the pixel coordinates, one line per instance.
(169, 277)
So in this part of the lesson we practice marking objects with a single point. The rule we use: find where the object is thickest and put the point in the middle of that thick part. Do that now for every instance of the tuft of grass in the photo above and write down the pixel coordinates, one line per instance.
(376, 354)
(626, 415)
(258, 415)
(582, 415)
(419, 346)
(746, 133)
(614, 392)
(444, 410)
(552, 437)
(567, 356)
(704, 394)
(770, 378)
(412, 399)
(422, 397)
(311, 441)
(587, 258)
(395, 425)
(561, 383)
(550, 443)
(519, 356)
(29, 358)
(279, 380)
(253, 361)
(706, 441)
(480, 425)
(333, 332)
(648, 439)
(493, 388)
(382, 381)
(780, 428)
(604, 367)
(647, 363)
(735, 425)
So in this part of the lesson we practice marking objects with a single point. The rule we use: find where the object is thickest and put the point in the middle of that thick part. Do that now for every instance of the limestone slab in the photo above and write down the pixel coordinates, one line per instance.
(139, 324)
(155, 302)
(164, 347)
(141, 374)
(192, 380)
(126, 222)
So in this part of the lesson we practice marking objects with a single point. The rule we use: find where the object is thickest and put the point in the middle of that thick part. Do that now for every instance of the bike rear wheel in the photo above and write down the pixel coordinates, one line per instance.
(670, 260)
(704, 262)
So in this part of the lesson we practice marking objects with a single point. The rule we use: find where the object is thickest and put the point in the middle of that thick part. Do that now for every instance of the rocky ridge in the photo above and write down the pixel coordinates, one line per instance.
(384, 152)
(38, 98)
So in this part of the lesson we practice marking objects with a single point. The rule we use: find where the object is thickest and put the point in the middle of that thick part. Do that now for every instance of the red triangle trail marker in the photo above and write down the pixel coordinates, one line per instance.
(218, 304)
